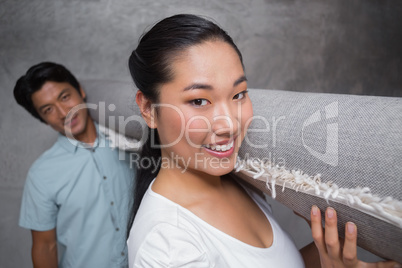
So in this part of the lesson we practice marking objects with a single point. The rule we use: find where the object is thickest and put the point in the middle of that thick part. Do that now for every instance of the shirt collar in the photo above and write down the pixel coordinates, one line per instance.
(72, 145)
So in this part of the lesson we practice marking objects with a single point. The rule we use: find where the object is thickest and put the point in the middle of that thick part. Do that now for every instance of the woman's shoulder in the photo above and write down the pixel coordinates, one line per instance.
(159, 237)
(167, 245)
(155, 209)
(157, 213)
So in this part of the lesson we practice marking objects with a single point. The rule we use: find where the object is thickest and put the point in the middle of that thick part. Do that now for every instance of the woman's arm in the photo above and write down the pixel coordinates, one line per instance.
(310, 255)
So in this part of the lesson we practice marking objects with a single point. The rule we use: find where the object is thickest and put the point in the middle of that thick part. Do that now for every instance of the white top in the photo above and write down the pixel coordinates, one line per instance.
(165, 234)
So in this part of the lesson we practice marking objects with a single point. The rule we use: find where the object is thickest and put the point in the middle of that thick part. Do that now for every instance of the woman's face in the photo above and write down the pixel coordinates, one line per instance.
(204, 111)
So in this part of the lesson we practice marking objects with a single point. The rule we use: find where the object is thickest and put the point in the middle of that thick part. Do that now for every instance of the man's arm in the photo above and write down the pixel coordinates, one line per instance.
(44, 249)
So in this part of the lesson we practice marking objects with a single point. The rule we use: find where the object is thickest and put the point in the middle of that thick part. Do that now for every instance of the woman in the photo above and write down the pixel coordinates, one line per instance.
(193, 96)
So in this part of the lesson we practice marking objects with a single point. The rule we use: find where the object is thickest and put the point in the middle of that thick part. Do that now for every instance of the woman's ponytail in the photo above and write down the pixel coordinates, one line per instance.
(151, 152)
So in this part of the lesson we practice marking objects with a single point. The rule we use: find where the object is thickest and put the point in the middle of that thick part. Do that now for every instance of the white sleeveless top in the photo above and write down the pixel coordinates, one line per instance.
(164, 234)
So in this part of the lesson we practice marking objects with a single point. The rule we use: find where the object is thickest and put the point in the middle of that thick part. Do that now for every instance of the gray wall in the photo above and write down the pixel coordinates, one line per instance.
(314, 45)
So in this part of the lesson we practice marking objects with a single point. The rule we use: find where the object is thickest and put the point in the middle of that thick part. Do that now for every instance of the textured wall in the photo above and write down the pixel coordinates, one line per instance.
(324, 46)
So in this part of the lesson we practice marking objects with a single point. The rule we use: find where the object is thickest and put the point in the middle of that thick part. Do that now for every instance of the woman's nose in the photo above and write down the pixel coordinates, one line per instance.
(225, 122)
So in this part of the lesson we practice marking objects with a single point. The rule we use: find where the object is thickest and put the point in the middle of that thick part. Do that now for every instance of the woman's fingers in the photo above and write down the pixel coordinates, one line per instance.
(328, 243)
(331, 234)
(317, 231)
(329, 246)
(349, 249)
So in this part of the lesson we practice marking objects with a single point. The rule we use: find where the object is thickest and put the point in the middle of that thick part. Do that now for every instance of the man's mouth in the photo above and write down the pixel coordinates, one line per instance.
(71, 119)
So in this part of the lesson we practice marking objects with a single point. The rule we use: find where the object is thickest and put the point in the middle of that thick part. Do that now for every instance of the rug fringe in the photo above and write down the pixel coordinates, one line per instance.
(388, 208)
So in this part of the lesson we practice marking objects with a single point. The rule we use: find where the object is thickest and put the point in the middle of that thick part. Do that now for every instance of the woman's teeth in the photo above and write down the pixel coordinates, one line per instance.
(220, 148)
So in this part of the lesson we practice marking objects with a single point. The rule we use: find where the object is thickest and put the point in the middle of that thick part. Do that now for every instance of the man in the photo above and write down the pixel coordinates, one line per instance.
(77, 193)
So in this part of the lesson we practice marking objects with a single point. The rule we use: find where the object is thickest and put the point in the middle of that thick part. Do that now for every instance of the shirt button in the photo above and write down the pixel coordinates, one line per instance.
(112, 203)
(122, 254)
(104, 177)
(117, 229)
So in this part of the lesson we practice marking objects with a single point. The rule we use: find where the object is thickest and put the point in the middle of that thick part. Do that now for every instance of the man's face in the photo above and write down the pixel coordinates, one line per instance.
(54, 101)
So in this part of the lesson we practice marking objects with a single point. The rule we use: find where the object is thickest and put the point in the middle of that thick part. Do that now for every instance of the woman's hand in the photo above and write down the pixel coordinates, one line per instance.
(332, 253)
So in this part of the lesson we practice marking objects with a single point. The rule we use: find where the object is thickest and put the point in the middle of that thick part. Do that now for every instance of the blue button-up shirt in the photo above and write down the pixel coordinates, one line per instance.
(85, 193)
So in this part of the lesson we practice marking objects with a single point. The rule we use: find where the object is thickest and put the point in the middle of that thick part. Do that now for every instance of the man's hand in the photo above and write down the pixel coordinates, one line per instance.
(44, 249)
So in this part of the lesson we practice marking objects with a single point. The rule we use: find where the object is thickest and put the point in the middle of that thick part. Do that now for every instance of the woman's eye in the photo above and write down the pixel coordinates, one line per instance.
(199, 102)
(240, 95)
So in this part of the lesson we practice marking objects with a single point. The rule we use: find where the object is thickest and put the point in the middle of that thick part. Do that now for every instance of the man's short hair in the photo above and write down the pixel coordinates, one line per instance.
(35, 78)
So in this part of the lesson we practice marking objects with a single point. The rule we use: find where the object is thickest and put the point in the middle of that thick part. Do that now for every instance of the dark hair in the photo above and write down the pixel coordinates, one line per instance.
(35, 78)
(150, 67)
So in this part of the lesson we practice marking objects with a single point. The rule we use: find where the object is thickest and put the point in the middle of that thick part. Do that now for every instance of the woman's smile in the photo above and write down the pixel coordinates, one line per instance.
(220, 151)
(211, 104)
(220, 148)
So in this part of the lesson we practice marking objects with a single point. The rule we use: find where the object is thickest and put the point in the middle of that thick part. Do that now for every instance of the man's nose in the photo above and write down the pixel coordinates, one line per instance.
(62, 111)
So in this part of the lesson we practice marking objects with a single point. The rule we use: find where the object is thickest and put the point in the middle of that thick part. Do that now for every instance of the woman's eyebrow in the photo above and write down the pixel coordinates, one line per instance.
(198, 86)
(242, 79)
(209, 87)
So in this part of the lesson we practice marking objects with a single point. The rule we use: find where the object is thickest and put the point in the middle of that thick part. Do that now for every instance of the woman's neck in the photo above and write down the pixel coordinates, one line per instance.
(187, 187)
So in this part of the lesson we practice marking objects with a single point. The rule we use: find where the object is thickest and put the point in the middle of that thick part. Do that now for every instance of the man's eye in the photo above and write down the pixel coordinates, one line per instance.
(47, 110)
(199, 102)
(65, 97)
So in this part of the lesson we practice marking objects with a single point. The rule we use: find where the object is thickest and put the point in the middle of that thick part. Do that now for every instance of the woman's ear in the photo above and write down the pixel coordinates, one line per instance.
(147, 111)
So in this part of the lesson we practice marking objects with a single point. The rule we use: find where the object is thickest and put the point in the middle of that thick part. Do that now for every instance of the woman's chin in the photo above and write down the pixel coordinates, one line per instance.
(219, 171)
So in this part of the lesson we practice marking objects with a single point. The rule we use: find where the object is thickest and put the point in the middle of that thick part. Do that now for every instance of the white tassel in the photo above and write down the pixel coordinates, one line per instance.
(118, 140)
(387, 208)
